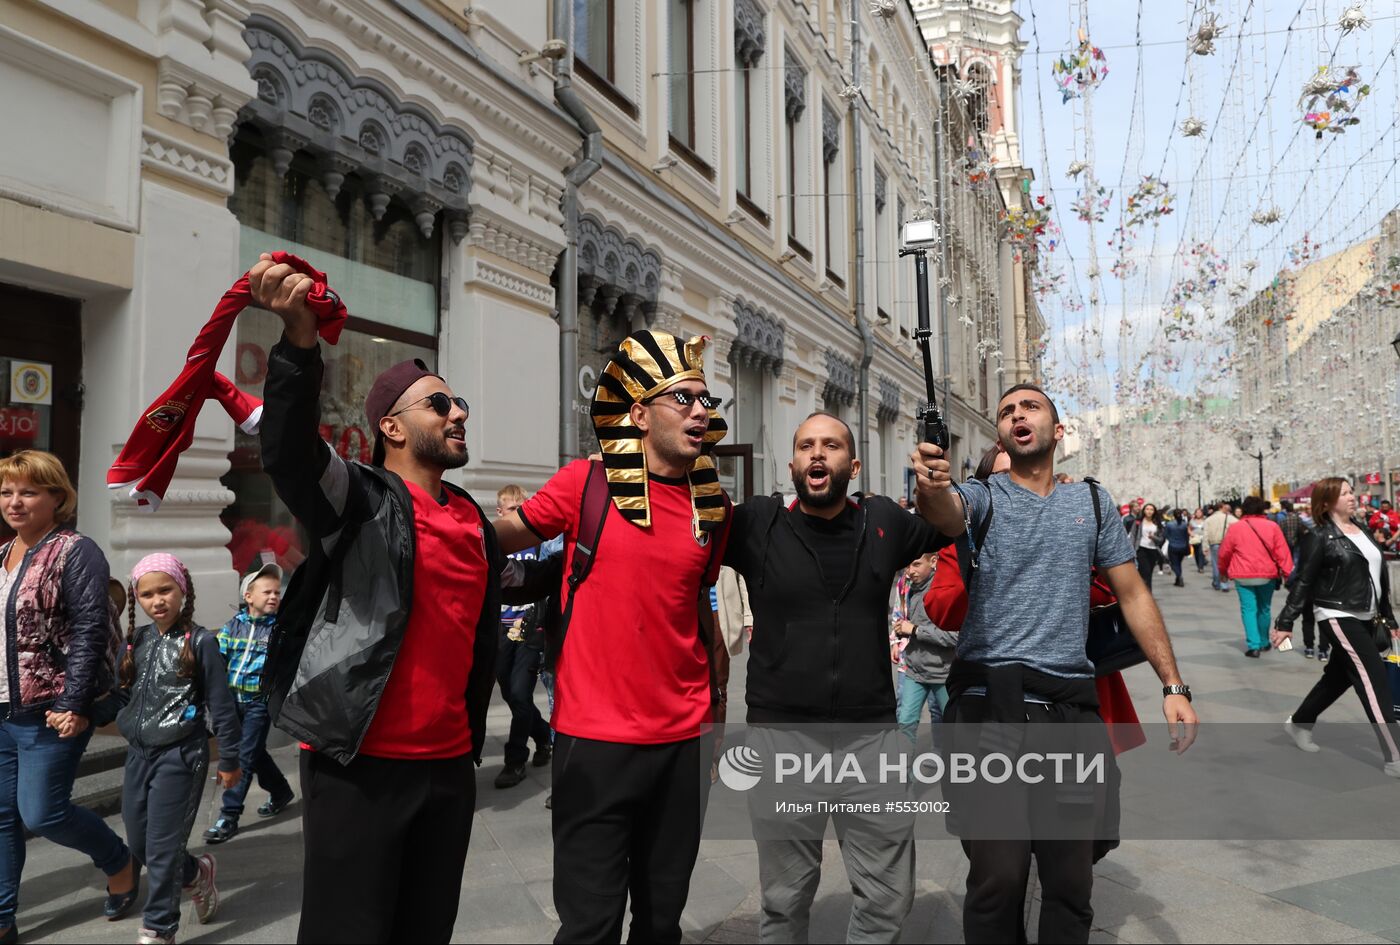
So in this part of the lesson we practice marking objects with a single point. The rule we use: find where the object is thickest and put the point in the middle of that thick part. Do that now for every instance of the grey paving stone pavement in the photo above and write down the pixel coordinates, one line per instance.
(1188, 890)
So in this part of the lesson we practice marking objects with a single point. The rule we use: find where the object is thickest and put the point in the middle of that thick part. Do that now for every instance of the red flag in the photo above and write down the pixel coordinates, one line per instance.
(166, 428)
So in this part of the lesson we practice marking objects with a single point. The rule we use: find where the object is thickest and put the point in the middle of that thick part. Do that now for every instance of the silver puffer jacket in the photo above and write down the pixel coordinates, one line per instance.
(165, 709)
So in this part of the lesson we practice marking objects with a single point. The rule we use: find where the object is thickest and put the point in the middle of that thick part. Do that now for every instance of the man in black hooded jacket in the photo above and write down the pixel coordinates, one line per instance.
(819, 573)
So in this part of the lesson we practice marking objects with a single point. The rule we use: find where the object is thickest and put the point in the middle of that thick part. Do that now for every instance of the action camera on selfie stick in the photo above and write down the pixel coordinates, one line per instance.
(919, 236)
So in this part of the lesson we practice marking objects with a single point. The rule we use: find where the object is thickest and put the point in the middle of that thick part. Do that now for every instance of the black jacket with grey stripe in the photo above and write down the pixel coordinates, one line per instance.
(347, 607)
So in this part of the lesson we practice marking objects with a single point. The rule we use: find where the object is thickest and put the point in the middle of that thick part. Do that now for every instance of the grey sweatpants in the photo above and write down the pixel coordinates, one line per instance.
(878, 849)
(160, 798)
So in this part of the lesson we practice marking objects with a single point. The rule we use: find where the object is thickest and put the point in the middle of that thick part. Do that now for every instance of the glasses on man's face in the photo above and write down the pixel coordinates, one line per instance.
(686, 399)
(442, 404)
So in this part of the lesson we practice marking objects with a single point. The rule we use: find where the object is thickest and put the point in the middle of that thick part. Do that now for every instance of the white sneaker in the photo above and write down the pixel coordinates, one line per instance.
(147, 937)
(203, 893)
(1392, 769)
(1302, 737)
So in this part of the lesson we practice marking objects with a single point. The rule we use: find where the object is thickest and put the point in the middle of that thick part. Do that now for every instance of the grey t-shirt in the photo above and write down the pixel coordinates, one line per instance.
(1029, 600)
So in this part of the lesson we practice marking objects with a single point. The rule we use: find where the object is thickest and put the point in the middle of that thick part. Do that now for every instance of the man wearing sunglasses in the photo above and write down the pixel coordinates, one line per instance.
(386, 666)
(633, 689)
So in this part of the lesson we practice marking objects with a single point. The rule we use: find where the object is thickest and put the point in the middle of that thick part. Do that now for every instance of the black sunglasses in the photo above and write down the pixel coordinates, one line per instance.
(441, 404)
(685, 399)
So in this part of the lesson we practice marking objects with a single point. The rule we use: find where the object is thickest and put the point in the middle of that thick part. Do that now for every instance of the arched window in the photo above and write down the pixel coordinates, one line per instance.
(977, 105)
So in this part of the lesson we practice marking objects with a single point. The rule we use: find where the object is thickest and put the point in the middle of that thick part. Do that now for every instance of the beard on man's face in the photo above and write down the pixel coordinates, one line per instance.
(431, 448)
(833, 493)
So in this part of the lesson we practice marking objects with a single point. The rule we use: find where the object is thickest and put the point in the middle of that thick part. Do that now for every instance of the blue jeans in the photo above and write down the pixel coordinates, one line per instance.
(37, 769)
(913, 696)
(1255, 601)
(1220, 584)
(254, 760)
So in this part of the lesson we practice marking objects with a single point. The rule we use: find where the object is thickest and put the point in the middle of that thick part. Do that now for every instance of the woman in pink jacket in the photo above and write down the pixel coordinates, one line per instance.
(1256, 557)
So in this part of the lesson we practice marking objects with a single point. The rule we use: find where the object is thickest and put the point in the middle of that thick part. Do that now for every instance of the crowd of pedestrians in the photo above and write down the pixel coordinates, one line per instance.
(380, 657)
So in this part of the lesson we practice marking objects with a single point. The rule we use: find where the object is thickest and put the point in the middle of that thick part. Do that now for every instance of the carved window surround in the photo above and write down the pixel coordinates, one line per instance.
(616, 273)
(890, 395)
(840, 378)
(761, 340)
(309, 101)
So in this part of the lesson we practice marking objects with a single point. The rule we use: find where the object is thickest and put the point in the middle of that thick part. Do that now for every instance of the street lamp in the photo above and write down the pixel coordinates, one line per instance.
(1245, 440)
(1199, 503)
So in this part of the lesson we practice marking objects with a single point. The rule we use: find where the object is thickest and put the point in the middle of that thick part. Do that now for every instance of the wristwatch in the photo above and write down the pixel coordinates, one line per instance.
(1177, 690)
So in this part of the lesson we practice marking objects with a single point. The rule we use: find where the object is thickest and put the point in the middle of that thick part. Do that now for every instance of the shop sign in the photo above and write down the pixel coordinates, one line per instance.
(31, 382)
(19, 423)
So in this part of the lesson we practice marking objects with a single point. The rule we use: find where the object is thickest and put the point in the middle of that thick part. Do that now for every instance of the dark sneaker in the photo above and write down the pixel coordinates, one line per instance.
(510, 776)
(542, 755)
(1252, 654)
(147, 937)
(1308, 652)
(1324, 654)
(272, 806)
(549, 802)
(224, 829)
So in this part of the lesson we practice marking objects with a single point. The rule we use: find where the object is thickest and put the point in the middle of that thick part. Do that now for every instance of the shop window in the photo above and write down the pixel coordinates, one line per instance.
(387, 272)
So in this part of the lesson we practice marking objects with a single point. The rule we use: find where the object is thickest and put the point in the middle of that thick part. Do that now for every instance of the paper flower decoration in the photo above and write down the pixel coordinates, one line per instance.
(1079, 71)
(1077, 168)
(1193, 128)
(1266, 217)
(1023, 225)
(1202, 42)
(1093, 204)
(1384, 287)
(1329, 99)
(1150, 201)
(1353, 18)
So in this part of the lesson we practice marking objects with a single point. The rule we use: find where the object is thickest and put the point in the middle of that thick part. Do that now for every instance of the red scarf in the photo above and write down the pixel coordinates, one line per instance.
(166, 428)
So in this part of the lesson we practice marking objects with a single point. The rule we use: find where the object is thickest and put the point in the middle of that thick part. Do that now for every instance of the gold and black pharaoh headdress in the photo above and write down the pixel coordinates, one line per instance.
(646, 363)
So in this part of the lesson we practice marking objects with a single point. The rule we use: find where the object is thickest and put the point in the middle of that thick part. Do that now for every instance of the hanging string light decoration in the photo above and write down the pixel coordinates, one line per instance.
(1023, 225)
(1080, 70)
(1384, 287)
(1352, 19)
(1330, 98)
(1092, 205)
(1193, 127)
(1202, 42)
(1151, 200)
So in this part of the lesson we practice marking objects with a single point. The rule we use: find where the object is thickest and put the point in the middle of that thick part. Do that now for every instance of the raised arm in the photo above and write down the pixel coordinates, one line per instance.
(309, 477)
(938, 502)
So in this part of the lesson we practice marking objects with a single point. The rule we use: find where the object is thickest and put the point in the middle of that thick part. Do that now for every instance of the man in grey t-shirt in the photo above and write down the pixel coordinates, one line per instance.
(1021, 649)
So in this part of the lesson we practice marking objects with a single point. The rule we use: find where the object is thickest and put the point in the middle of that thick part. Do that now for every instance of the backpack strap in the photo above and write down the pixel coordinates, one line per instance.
(1098, 517)
(972, 539)
(593, 512)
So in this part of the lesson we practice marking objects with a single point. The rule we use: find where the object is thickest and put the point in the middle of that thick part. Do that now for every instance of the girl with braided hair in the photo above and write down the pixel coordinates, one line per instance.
(177, 677)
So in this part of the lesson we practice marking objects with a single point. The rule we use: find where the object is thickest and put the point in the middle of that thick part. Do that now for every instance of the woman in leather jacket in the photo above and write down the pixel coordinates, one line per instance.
(1341, 572)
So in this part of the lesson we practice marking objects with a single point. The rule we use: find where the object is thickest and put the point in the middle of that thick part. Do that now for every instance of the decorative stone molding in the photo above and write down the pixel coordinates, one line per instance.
(611, 258)
(668, 318)
(881, 190)
(888, 408)
(193, 165)
(308, 100)
(537, 293)
(761, 338)
(794, 86)
(509, 241)
(840, 385)
(749, 36)
(831, 134)
(200, 81)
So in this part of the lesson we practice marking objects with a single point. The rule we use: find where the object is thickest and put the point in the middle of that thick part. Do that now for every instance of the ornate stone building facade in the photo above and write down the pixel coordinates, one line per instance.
(758, 158)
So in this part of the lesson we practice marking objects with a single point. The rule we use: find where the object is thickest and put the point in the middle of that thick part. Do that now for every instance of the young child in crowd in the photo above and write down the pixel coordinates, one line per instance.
(176, 677)
(927, 653)
(243, 641)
